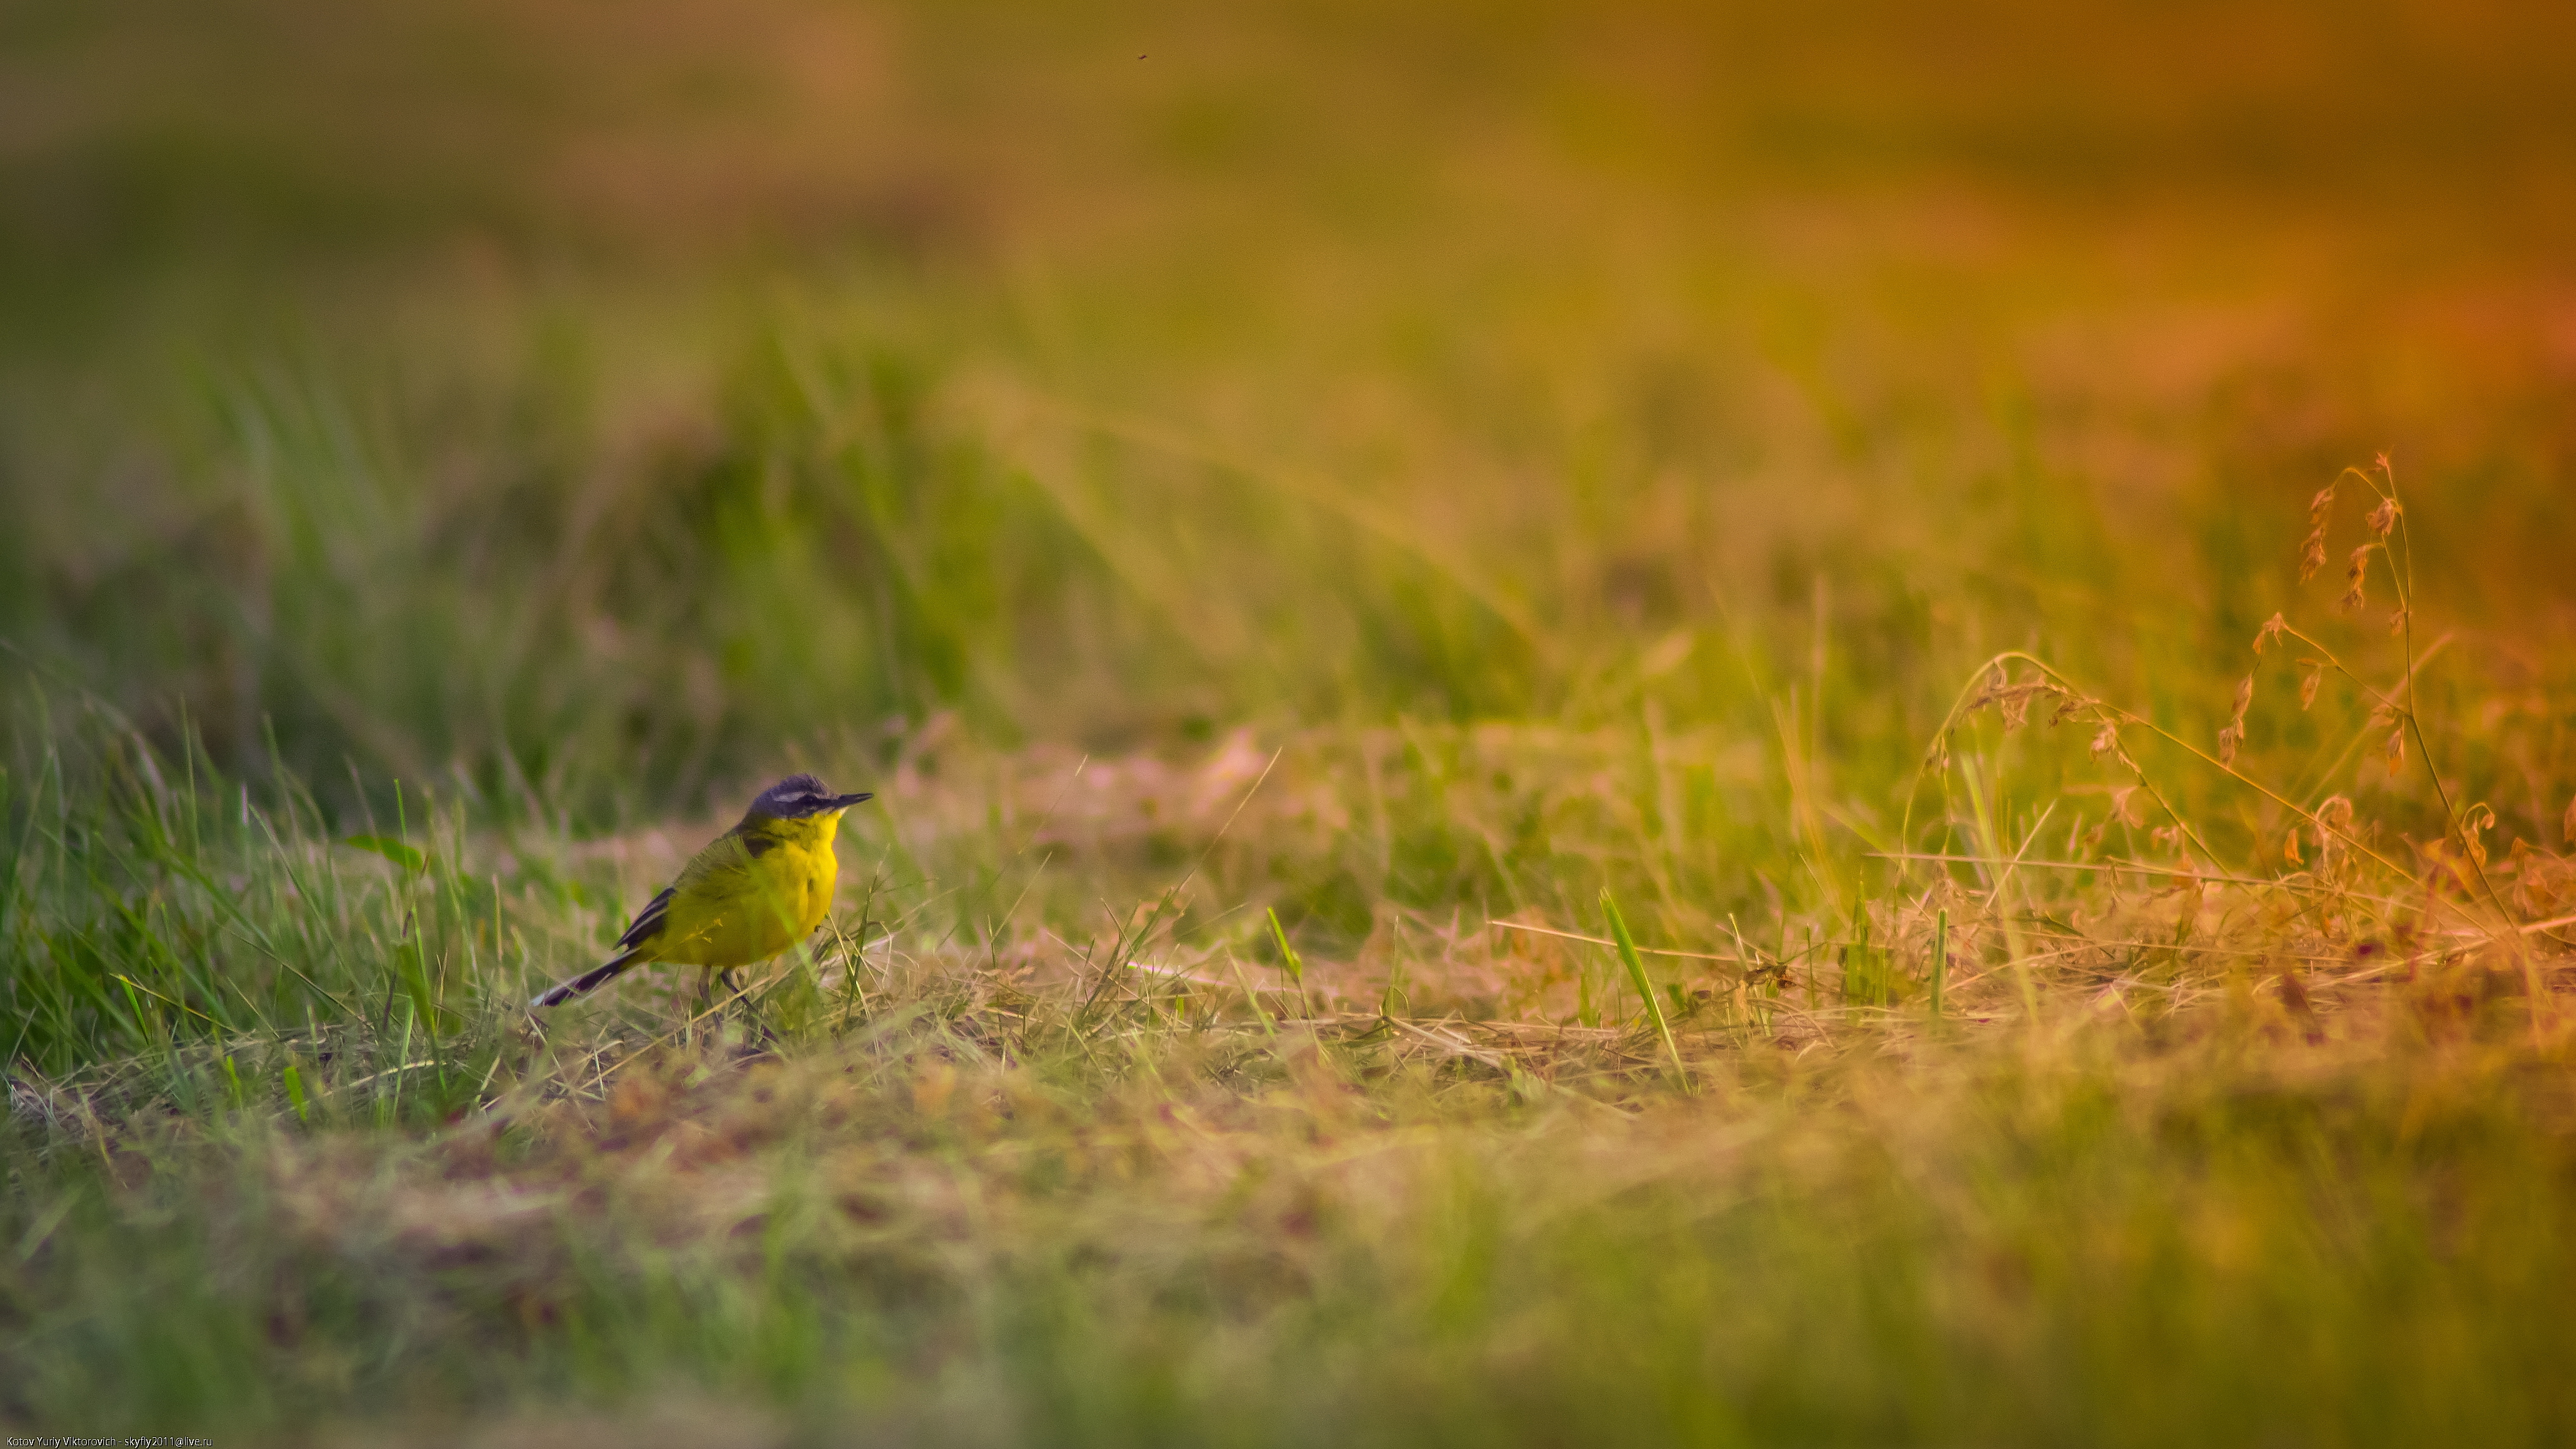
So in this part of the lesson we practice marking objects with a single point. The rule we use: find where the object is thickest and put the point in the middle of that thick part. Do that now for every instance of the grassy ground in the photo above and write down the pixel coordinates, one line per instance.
(1317, 526)
(2191, 1160)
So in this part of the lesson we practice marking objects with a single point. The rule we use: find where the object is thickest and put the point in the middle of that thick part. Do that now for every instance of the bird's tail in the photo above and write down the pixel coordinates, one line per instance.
(587, 980)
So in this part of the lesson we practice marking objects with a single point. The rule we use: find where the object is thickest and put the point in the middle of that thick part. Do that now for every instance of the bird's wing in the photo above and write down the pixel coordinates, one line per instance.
(648, 923)
(717, 876)
(715, 867)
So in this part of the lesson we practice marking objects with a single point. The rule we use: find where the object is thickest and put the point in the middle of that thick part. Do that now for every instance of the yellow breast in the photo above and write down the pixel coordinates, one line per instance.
(764, 896)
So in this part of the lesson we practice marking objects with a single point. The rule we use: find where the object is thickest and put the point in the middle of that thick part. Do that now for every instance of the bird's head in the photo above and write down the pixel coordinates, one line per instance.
(803, 797)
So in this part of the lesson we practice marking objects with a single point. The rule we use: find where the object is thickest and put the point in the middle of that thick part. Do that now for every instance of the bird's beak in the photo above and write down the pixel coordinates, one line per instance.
(844, 802)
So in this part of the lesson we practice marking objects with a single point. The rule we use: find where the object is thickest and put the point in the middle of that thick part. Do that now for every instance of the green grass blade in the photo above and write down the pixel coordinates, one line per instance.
(1637, 976)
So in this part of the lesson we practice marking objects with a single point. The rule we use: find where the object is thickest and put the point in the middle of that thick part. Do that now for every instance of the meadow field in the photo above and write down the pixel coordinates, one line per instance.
(1717, 724)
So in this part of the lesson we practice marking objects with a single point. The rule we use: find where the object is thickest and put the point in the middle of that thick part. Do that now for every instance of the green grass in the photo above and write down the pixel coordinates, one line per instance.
(1546, 692)
(287, 1156)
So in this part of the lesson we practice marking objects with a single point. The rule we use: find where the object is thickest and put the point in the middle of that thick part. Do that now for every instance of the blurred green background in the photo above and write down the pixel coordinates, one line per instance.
(604, 403)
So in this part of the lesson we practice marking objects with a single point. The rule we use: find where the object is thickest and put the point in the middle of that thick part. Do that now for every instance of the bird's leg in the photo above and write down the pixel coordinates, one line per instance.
(750, 1013)
(706, 1016)
(706, 998)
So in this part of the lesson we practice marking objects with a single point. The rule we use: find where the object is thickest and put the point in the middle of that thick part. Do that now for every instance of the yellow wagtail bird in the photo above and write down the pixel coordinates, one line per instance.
(756, 890)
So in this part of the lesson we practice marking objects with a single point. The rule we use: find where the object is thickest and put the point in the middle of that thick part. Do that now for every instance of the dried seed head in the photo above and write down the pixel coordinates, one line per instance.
(2175, 838)
(2228, 739)
(2397, 619)
(2312, 554)
(2308, 682)
(2273, 628)
(2356, 570)
(2124, 806)
(2244, 697)
(2290, 848)
(2481, 818)
(2015, 708)
(2383, 519)
(2320, 506)
(2396, 749)
(2107, 739)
